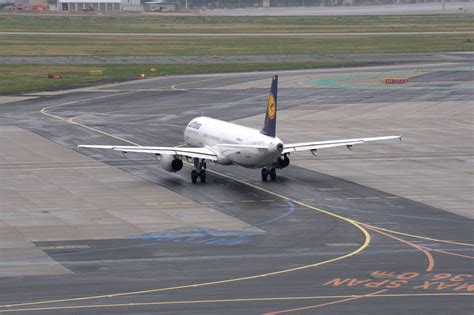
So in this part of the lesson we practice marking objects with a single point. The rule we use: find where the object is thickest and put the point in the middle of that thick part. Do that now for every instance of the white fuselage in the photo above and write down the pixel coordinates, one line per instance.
(214, 134)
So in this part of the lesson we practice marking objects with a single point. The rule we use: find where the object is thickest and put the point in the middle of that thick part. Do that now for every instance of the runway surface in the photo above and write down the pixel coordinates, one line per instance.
(397, 9)
(327, 245)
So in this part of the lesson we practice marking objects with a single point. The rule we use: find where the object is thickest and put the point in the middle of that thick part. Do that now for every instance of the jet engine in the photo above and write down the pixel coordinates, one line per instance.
(171, 163)
(281, 162)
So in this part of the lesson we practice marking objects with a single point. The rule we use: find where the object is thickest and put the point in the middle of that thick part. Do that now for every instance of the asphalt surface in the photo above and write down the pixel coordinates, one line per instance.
(394, 9)
(369, 252)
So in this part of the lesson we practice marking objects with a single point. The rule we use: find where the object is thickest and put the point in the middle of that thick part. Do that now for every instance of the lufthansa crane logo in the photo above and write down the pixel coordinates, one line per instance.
(271, 111)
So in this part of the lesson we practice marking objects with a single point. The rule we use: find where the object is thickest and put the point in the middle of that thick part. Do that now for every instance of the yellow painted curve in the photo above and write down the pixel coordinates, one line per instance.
(242, 300)
(359, 225)
(364, 232)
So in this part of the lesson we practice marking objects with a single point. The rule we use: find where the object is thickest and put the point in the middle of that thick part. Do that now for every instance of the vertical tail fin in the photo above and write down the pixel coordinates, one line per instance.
(269, 126)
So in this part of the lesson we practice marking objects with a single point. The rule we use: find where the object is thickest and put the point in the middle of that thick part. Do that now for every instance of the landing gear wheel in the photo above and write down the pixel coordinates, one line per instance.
(194, 176)
(200, 171)
(202, 176)
(273, 174)
(264, 174)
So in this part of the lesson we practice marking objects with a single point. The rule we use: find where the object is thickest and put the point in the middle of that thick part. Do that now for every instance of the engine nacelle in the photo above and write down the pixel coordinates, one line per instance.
(170, 163)
(281, 162)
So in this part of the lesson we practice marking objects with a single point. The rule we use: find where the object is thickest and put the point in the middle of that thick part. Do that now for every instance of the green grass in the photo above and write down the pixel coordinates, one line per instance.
(31, 78)
(20, 78)
(190, 24)
(16, 45)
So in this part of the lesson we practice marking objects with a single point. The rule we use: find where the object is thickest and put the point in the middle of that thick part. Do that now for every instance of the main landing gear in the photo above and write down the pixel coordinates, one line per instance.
(269, 172)
(199, 172)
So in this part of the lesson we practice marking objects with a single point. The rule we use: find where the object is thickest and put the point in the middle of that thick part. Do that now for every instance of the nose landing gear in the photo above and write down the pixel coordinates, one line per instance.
(269, 172)
(199, 172)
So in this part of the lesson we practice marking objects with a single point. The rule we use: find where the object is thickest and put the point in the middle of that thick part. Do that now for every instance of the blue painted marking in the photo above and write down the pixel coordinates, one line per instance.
(201, 236)
(291, 209)
(211, 236)
(194, 235)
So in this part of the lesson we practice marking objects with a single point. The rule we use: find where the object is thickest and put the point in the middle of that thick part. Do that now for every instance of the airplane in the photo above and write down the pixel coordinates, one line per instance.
(227, 143)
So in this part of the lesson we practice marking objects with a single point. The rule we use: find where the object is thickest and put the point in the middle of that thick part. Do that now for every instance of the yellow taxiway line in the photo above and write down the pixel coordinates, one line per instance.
(437, 240)
(358, 225)
(364, 232)
(241, 300)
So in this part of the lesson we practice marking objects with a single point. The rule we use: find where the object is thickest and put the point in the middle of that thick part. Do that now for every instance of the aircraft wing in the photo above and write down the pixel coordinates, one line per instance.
(313, 146)
(200, 153)
(243, 146)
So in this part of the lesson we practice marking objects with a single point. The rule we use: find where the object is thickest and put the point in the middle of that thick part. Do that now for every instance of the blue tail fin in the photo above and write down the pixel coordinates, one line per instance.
(269, 127)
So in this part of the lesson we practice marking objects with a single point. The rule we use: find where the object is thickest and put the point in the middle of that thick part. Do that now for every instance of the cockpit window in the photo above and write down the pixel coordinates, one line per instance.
(194, 125)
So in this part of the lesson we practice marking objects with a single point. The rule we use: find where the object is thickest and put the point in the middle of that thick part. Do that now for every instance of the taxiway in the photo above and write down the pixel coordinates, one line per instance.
(351, 232)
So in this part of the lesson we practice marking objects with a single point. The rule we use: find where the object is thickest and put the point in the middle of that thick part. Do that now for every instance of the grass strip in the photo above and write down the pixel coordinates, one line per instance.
(31, 78)
(17, 45)
(195, 24)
